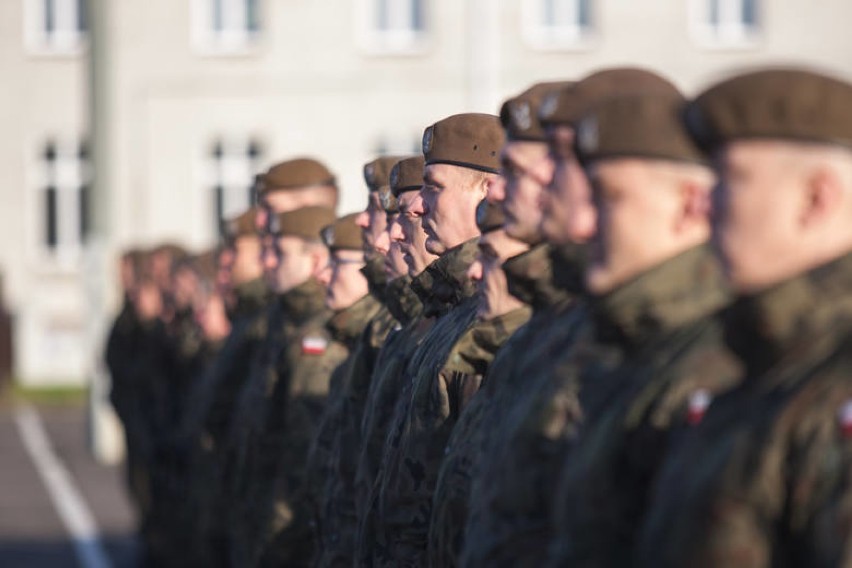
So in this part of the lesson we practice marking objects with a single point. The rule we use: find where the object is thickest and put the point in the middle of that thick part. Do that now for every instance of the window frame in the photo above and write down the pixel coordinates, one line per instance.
(237, 35)
(63, 40)
(231, 165)
(395, 40)
(543, 37)
(727, 33)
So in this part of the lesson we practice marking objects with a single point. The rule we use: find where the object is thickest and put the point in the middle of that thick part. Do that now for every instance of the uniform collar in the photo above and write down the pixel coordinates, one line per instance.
(763, 327)
(348, 324)
(251, 296)
(475, 350)
(450, 284)
(530, 278)
(303, 302)
(677, 292)
(401, 300)
(374, 272)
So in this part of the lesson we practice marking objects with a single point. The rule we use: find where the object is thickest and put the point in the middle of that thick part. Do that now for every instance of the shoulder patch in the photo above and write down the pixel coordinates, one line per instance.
(844, 418)
(699, 401)
(314, 345)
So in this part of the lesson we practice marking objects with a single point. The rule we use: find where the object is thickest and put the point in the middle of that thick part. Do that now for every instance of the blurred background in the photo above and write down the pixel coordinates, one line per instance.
(133, 122)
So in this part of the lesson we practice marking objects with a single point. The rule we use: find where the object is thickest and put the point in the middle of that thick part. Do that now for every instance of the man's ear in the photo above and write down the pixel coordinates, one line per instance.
(695, 203)
(823, 194)
(495, 188)
(319, 259)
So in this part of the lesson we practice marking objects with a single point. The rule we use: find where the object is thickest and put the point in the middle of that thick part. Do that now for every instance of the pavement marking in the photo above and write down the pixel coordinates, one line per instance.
(67, 499)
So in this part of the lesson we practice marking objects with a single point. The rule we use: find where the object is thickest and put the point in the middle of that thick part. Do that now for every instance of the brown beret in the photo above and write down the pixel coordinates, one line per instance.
(240, 226)
(642, 126)
(295, 174)
(787, 104)
(305, 223)
(407, 175)
(343, 234)
(388, 200)
(519, 114)
(377, 172)
(568, 105)
(469, 140)
(489, 216)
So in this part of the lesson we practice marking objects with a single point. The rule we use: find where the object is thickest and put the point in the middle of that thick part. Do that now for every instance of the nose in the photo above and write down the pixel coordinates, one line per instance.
(382, 244)
(497, 190)
(395, 232)
(418, 206)
(261, 219)
(362, 219)
(474, 272)
(268, 258)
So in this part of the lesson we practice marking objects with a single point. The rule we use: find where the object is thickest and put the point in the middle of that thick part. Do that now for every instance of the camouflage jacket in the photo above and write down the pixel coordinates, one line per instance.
(667, 324)
(384, 390)
(424, 415)
(764, 479)
(331, 503)
(530, 279)
(526, 415)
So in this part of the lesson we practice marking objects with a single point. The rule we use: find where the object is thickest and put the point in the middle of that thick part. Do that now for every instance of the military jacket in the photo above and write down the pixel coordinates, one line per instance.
(530, 279)
(527, 415)
(424, 415)
(666, 322)
(764, 479)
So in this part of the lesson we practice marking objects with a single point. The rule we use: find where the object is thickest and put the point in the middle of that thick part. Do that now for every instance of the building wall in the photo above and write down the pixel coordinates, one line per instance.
(313, 83)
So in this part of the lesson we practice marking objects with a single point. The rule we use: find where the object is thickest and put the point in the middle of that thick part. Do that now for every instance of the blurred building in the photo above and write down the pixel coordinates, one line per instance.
(203, 93)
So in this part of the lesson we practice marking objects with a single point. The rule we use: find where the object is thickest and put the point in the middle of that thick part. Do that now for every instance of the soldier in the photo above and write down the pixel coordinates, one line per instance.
(513, 482)
(354, 309)
(462, 161)
(206, 425)
(340, 495)
(274, 510)
(763, 480)
(526, 169)
(657, 292)
(407, 237)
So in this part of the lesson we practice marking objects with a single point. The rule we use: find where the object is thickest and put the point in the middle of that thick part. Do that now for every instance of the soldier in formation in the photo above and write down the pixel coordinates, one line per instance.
(608, 327)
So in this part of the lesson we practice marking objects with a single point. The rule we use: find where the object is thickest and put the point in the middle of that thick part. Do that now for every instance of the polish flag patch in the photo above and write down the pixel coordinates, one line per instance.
(314, 345)
(844, 417)
(699, 401)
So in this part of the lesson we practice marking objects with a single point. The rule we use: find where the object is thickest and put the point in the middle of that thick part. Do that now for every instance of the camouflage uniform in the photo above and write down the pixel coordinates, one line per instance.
(764, 479)
(277, 496)
(385, 387)
(207, 422)
(530, 279)
(337, 514)
(666, 321)
(423, 418)
(526, 416)
(332, 507)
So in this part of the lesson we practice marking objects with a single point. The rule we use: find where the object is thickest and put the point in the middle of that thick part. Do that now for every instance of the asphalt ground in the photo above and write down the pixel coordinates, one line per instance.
(59, 508)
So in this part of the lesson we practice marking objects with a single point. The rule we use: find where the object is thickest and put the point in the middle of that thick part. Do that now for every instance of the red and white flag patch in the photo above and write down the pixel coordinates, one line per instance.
(844, 417)
(314, 345)
(699, 401)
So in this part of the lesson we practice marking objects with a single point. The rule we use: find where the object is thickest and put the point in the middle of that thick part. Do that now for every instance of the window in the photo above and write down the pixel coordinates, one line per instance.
(233, 165)
(557, 24)
(55, 26)
(725, 23)
(63, 199)
(393, 26)
(226, 26)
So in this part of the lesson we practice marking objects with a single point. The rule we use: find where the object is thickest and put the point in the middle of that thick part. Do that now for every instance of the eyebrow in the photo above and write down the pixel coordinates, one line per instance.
(487, 250)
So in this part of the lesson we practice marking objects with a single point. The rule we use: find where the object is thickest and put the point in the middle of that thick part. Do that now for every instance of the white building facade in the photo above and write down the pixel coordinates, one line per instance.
(204, 93)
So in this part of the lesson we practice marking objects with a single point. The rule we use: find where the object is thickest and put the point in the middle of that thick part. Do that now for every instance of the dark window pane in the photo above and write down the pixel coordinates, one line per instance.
(51, 235)
(549, 13)
(749, 12)
(218, 16)
(218, 150)
(82, 15)
(417, 17)
(49, 16)
(714, 12)
(254, 150)
(584, 18)
(382, 16)
(252, 15)
(50, 153)
(84, 212)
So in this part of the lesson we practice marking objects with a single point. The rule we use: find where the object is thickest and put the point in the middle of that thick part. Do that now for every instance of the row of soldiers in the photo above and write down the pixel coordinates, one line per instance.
(608, 327)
